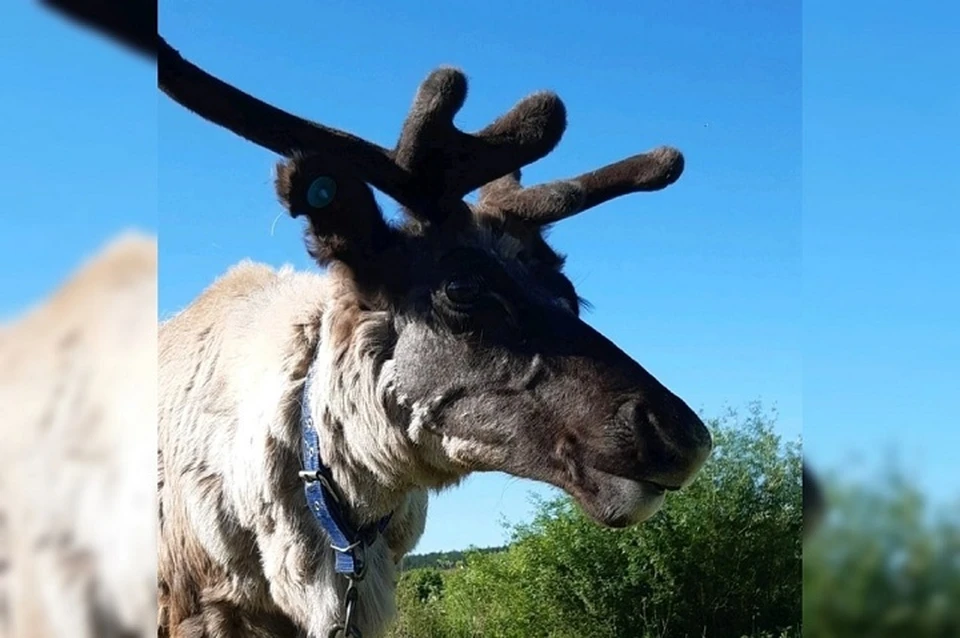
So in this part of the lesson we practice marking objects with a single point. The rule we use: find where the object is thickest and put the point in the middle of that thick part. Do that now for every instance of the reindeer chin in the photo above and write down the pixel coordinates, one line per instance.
(620, 502)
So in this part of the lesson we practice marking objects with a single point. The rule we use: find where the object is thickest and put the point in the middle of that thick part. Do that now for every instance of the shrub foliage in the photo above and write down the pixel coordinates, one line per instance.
(723, 558)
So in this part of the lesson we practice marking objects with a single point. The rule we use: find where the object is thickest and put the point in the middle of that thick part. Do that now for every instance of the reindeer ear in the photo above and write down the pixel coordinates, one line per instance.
(346, 224)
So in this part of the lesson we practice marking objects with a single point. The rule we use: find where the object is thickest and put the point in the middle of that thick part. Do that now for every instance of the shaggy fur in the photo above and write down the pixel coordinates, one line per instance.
(77, 408)
(231, 374)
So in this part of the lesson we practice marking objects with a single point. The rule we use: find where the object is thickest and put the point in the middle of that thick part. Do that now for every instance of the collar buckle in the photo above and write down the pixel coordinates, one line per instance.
(316, 476)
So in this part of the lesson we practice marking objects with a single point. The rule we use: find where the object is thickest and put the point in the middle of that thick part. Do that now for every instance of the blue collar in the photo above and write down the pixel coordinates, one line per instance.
(326, 503)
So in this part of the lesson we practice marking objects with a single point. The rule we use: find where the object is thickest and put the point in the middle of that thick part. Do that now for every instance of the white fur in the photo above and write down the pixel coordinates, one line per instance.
(77, 412)
(232, 367)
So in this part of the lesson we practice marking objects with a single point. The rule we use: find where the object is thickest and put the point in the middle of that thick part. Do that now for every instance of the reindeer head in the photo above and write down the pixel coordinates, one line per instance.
(490, 366)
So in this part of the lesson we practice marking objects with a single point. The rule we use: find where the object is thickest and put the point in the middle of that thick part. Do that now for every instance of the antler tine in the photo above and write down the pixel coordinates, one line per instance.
(551, 202)
(274, 128)
(651, 171)
(446, 162)
(506, 197)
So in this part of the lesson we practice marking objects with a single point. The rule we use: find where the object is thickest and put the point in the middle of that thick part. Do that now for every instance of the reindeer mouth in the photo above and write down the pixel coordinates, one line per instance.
(657, 488)
(618, 502)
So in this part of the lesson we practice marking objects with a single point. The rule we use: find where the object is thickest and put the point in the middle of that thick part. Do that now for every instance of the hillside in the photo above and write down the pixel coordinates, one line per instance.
(443, 560)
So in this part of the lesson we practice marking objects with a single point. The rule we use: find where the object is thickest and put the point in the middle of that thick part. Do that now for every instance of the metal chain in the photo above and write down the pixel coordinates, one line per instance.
(346, 629)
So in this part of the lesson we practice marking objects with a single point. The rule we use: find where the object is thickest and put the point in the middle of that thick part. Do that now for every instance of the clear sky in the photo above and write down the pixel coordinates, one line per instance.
(805, 258)
(78, 156)
(881, 238)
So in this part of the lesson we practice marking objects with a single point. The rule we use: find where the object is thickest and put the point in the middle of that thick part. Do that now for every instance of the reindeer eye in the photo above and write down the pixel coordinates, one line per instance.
(321, 192)
(463, 290)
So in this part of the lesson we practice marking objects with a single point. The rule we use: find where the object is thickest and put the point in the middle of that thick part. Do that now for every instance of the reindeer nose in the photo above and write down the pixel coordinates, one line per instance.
(690, 428)
(673, 441)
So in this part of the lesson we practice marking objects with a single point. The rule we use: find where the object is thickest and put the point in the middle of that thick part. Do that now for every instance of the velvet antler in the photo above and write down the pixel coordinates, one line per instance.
(433, 162)
(553, 201)
(448, 163)
(273, 128)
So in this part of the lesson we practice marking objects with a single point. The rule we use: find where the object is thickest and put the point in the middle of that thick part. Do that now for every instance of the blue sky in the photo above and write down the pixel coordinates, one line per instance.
(805, 258)
(881, 238)
(79, 150)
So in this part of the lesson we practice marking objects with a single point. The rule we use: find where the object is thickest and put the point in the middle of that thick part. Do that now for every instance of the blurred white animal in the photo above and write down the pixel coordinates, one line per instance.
(78, 458)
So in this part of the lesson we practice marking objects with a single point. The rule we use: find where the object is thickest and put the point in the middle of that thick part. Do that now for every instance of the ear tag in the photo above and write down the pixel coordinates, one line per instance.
(321, 192)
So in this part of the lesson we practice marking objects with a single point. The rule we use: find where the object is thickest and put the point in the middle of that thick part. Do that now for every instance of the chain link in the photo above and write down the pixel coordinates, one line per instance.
(346, 629)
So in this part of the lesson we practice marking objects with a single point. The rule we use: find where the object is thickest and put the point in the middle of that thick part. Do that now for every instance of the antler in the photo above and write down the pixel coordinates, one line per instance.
(451, 163)
(553, 201)
(433, 160)
(270, 127)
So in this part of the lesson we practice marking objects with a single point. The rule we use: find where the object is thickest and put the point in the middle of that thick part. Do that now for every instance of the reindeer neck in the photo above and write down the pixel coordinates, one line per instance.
(351, 520)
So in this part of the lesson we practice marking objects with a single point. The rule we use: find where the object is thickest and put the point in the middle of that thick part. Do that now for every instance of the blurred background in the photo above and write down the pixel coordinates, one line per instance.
(881, 349)
(78, 289)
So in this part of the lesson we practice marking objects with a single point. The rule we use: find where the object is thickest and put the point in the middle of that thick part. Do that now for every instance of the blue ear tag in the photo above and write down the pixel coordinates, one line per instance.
(321, 192)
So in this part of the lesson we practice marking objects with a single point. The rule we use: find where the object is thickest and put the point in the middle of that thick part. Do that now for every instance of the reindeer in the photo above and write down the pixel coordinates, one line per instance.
(78, 412)
(303, 418)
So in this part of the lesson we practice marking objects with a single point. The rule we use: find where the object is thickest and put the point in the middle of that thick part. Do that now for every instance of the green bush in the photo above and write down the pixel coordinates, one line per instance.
(884, 565)
(418, 594)
(721, 559)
